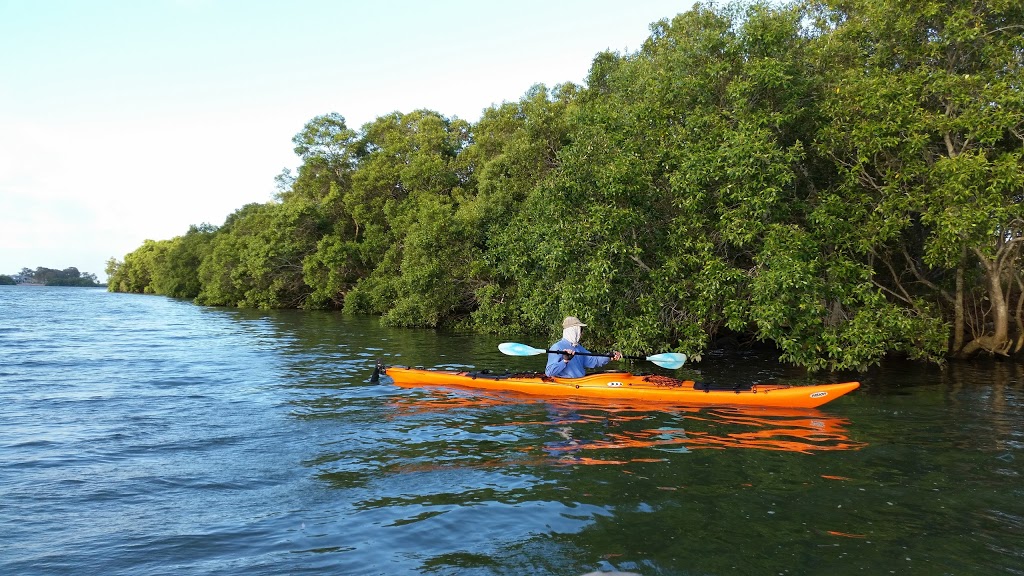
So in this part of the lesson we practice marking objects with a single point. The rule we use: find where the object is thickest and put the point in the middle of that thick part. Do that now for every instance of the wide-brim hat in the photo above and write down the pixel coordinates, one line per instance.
(571, 321)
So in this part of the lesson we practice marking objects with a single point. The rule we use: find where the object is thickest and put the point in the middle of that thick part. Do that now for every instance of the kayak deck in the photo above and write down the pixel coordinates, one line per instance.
(625, 385)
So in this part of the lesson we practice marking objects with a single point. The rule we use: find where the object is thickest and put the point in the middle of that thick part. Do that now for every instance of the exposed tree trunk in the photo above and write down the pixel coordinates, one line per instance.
(958, 306)
(998, 340)
(1000, 308)
(1018, 316)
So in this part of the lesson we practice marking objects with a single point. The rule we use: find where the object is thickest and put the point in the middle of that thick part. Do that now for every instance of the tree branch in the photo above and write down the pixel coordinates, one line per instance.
(920, 277)
(640, 263)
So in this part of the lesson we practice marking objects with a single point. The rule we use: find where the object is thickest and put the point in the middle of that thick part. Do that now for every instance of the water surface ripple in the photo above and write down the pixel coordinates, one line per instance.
(144, 435)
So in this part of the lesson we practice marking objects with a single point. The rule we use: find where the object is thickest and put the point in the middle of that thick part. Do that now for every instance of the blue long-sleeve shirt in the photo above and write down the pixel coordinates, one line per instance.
(576, 367)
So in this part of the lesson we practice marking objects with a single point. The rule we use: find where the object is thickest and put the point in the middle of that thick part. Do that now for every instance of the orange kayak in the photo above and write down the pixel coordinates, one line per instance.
(626, 386)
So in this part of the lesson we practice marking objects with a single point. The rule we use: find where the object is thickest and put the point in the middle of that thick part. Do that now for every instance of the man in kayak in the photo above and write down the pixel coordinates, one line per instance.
(566, 363)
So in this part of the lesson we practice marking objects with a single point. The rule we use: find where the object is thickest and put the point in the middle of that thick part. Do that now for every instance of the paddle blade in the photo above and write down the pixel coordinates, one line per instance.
(517, 349)
(669, 360)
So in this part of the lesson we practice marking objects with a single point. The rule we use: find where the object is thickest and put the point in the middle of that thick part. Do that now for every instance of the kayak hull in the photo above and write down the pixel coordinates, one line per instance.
(626, 386)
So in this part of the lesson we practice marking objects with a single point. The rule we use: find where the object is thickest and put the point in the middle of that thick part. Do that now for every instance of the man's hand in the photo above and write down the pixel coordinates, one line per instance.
(567, 355)
(616, 355)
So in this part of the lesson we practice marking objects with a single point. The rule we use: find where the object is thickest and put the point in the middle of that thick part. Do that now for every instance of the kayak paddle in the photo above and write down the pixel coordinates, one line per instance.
(669, 360)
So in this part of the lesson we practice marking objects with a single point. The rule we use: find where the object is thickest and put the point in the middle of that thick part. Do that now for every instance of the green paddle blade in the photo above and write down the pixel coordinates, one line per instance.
(517, 349)
(670, 360)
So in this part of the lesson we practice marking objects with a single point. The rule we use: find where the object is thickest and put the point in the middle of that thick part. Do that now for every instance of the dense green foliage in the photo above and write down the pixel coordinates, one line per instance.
(841, 179)
(6, 280)
(52, 277)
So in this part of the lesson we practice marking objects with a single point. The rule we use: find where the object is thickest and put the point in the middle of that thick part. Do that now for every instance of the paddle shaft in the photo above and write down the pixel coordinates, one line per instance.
(593, 354)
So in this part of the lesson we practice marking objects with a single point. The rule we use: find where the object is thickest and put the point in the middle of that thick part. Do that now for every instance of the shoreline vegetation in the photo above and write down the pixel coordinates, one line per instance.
(841, 180)
(51, 277)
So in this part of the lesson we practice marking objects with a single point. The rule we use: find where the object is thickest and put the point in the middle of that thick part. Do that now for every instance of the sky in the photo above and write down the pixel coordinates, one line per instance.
(127, 120)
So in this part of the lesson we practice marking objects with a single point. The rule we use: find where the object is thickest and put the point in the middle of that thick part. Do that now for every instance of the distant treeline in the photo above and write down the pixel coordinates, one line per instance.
(51, 277)
(841, 179)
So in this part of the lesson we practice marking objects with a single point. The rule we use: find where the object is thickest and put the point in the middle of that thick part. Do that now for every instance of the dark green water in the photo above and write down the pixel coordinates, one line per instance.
(142, 435)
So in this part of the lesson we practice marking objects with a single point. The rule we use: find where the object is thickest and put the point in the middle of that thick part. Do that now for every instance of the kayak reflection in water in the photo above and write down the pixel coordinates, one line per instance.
(567, 363)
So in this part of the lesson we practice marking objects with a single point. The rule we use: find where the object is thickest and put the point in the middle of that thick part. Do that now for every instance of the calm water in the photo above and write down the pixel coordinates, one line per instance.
(143, 435)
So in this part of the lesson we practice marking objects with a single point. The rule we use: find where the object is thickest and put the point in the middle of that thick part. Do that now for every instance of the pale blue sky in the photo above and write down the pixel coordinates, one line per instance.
(122, 120)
